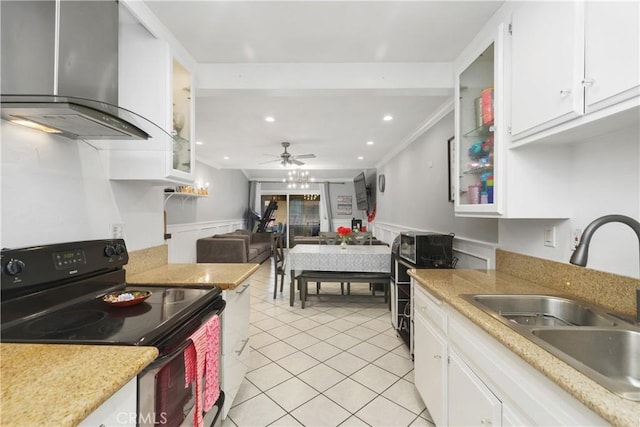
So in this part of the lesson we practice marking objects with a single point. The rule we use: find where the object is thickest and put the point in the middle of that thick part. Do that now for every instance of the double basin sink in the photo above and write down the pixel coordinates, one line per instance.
(597, 342)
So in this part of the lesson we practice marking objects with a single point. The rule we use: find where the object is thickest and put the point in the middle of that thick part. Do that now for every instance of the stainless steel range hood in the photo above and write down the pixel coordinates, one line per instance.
(60, 62)
(75, 118)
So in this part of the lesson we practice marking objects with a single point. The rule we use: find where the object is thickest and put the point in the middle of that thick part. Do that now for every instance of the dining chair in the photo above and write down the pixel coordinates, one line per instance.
(278, 255)
(361, 237)
(329, 238)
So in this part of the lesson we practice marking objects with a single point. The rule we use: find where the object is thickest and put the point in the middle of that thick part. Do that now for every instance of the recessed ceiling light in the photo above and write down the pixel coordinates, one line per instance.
(360, 158)
(369, 142)
(199, 142)
(269, 119)
(387, 118)
(226, 157)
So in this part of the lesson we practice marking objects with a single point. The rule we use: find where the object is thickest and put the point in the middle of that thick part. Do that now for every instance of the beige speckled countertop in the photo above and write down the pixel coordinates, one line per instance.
(224, 275)
(447, 285)
(60, 385)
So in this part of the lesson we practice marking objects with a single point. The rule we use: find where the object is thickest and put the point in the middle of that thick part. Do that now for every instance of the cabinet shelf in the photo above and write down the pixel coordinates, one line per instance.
(183, 196)
(481, 131)
(479, 170)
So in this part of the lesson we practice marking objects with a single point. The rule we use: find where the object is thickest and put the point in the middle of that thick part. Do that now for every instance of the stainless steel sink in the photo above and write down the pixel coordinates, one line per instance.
(590, 338)
(609, 356)
(541, 310)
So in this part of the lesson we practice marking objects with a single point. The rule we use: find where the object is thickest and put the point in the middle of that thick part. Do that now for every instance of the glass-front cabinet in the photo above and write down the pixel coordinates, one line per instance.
(182, 159)
(155, 83)
(478, 133)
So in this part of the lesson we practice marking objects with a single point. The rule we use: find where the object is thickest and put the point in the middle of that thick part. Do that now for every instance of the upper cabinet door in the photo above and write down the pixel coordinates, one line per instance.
(612, 53)
(547, 58)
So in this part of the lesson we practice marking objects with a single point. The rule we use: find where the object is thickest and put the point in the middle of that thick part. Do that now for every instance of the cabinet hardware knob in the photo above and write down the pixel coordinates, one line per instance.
(588, 82)
(565, 92)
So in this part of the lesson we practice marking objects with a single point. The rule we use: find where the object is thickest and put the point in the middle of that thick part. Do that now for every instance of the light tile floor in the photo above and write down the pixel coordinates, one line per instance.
(338, 362)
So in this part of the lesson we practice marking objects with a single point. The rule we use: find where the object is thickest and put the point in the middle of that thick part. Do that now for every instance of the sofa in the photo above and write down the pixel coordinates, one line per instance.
(235, 247)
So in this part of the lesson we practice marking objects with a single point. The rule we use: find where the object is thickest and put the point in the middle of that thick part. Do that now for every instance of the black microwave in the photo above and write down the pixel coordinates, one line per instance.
(427, 250)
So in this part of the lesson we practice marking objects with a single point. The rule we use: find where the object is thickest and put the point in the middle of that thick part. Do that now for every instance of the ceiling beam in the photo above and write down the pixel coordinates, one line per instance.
(435, 79)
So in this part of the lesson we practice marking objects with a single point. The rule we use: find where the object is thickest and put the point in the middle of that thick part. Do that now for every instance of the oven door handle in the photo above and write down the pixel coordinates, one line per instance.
(157, 364)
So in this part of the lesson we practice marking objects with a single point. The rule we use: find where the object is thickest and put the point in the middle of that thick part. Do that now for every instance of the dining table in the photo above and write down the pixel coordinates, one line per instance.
(348, 258)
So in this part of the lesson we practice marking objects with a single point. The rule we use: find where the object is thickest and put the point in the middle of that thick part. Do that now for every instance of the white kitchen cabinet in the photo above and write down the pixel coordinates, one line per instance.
(119, 410)
(156, 86)
(479, 125)
(546, 65)
(569, 59)
(492, 179)
(430, 371)
(612, 53)
(471, 402)
(235, 341)
(466, 377)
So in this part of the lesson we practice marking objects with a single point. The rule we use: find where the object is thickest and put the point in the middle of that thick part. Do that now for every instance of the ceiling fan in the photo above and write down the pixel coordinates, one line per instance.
(287, 158)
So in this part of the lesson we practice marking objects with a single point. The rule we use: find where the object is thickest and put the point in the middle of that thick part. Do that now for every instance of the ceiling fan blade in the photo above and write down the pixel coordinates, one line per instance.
(296, 162)
(305, 156)
(271, 161)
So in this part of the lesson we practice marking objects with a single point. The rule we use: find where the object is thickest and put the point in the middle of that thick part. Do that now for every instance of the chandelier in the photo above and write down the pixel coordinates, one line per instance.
(298, 179)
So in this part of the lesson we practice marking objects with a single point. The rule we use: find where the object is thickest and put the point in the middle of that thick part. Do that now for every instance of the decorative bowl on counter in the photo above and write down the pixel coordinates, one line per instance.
(125, 298)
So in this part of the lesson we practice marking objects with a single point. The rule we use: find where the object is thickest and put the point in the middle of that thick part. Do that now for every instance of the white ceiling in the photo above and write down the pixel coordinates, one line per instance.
(327, 71)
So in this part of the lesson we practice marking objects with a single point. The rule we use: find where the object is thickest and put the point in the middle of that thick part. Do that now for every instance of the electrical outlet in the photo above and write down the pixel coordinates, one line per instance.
(575, 238)
(550, 236)
(117, 231)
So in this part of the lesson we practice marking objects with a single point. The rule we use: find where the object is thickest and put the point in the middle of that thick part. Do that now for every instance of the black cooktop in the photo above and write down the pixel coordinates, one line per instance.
(53, 294)
(96, 322)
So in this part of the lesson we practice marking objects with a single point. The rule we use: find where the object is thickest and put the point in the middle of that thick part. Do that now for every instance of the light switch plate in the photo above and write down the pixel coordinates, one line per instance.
(550, 236)
(116, 231)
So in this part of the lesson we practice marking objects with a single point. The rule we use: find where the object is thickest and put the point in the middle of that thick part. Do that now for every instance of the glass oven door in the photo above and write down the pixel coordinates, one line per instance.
(164, 398)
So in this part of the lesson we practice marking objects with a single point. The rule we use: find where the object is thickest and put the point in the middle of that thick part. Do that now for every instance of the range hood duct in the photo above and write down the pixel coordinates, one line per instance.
(60, 63)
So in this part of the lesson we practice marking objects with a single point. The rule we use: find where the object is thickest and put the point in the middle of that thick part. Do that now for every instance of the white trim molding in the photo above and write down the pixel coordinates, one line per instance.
(471, 254)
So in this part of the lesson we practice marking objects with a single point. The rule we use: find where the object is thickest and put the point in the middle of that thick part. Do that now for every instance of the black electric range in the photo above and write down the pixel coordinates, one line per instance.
(53, 294)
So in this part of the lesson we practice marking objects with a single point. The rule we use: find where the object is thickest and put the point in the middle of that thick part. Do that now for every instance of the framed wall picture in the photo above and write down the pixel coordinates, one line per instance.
(451, 154)
(344, 205)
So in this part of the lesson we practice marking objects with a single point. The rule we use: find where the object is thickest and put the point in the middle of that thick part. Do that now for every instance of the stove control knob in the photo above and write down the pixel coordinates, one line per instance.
(120, 249)
(14, 267)
(109, 250)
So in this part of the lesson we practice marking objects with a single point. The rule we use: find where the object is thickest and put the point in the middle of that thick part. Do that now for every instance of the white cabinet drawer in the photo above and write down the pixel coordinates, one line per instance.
(430, 308)
(235, 341)
(236, 317)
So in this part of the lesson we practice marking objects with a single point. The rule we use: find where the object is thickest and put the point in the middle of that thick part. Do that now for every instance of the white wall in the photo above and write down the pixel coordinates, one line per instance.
(416, 194)
(56, 190)
(605, 180)
(228, 197)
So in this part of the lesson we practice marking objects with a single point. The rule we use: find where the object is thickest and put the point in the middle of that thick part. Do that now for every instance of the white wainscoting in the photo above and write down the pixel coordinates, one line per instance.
(472, 254)
(182, 245)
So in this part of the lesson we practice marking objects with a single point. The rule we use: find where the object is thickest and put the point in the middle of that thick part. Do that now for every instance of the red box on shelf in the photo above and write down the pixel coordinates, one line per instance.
(487, 105)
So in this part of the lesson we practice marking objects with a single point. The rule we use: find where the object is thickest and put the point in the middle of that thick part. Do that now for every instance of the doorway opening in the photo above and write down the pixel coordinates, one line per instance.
(296, 215)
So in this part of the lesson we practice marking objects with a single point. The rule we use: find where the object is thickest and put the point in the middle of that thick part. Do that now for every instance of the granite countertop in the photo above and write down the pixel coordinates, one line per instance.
(49, 384)
(223, 275)
(447, 285)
